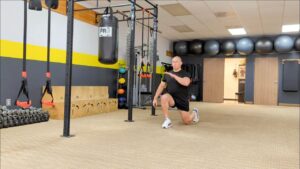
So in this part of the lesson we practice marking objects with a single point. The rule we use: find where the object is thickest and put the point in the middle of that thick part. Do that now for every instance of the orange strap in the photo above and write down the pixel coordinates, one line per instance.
(24, 105)
(48, 103)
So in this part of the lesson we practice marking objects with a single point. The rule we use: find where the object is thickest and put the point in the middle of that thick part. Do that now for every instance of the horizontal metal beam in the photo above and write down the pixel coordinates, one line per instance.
(151, 3)
(82, 0)
(147, 9)
(142, 8)
(113, 6)
(125, 15)
(135, 19)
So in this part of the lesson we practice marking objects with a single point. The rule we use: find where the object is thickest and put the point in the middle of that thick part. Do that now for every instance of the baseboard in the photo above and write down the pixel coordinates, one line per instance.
(248, 102)
(287, 104)
(230, 99)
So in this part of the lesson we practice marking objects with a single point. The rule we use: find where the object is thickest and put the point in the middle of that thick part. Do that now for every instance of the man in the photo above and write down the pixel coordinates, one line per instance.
(176, 84)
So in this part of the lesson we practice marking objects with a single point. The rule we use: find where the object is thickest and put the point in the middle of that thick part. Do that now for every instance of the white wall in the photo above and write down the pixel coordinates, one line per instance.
(85, 35)
(230, 82)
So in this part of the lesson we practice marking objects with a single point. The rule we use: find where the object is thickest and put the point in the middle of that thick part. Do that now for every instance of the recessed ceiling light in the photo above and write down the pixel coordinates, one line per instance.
(291, 28)
(237, 31)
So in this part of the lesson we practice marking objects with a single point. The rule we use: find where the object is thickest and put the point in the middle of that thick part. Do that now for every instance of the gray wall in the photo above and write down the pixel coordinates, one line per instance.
(10, 78)
(249, 86)
(287, 97)
(283, 97)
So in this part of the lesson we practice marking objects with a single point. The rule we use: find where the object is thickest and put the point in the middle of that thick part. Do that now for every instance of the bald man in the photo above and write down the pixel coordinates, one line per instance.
(176, 83)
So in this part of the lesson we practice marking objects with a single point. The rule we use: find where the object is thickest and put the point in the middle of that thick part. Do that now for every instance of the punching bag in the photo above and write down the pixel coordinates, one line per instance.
(53, 4)
(35, 5)
(108, 38)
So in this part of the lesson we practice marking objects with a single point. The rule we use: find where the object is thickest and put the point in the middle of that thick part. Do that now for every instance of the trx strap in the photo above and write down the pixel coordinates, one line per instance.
(48, 87)
(24, 86)
(148, 70)
(141, 70)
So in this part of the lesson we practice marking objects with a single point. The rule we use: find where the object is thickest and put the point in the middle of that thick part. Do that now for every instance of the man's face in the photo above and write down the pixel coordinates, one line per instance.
(176, 63)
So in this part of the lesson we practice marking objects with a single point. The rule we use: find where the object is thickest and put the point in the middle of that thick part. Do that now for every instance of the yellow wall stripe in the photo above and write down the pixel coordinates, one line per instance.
(11, 49)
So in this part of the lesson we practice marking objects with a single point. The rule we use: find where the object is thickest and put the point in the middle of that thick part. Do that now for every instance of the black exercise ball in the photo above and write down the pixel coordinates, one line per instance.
(264, 46)
(245, 46)
(297, 44)
(181, 48)
(212, 47)
(284, 43)
(228, 47)
(195, 47)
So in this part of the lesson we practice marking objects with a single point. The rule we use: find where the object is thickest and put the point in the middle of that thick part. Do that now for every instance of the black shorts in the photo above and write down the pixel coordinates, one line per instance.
(181, 104)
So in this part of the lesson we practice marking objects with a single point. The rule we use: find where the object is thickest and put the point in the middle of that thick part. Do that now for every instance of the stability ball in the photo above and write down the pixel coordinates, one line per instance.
(212, 47)
(122, 80)
(122, 70)
(195, 47)
(263, 46)
(284, 43)
(245, 46)
(297, 44)
(228, 47)
(181, 48)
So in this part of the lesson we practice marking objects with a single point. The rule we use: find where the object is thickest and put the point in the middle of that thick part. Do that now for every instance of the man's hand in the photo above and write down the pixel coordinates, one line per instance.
(185, 81)
(170, 74)
(154, 102)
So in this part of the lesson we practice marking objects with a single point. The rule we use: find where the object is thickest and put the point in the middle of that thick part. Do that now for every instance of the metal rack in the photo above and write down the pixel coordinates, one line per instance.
(132, 17)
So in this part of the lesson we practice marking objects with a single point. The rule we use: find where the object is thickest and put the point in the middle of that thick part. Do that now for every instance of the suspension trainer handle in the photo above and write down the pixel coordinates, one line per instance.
(23, 90)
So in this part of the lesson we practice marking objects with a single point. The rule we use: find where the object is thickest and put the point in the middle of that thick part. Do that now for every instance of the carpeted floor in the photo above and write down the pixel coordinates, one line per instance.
(228, 136)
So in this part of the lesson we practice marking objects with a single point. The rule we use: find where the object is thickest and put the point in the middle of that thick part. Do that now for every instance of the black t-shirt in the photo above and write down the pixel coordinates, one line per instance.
(174, 88)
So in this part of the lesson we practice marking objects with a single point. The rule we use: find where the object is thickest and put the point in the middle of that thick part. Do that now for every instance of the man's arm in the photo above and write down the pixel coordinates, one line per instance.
(184, 81)
(160, 89)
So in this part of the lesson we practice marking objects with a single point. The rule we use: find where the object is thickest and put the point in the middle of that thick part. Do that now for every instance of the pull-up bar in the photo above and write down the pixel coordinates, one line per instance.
(122, 5)
(113, 6)
(146, 9)
(128, 19)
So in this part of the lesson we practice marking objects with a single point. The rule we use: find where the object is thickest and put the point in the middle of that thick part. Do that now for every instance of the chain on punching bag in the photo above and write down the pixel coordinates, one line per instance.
(108, 38)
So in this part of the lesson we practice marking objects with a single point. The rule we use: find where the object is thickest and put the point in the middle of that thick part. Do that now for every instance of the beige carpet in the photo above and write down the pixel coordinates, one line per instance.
(228, 136)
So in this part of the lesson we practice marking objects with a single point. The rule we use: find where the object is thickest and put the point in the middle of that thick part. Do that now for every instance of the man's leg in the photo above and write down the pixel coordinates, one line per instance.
(166, 101)
(187, 117)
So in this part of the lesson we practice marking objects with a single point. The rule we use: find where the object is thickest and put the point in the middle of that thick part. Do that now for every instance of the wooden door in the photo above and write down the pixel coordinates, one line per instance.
(266, 81)
(213, 80)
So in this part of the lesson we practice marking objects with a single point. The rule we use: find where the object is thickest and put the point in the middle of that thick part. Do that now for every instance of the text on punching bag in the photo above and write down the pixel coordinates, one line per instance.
(105, 31)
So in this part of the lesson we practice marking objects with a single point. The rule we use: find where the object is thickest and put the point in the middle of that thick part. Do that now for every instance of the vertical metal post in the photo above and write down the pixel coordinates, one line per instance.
(48, 39)
(68, 80)
(25, 36)
(154, 46)
(131, 62)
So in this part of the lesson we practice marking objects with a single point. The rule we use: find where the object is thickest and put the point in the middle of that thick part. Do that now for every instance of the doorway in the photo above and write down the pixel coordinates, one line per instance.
(234, 79)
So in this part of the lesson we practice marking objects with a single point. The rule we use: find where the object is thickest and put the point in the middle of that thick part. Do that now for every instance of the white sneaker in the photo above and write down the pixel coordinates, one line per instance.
(197, 115)
(166, 124)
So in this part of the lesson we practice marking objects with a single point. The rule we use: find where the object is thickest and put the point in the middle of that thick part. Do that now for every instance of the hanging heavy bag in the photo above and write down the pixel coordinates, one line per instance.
(108, 38)
(53, 4)
(35, 5)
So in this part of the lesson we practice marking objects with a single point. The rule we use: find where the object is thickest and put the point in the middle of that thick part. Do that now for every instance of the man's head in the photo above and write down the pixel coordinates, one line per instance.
(176, 63)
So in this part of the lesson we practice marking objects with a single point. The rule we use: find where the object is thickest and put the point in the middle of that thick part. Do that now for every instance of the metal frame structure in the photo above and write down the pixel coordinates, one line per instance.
(70, 29)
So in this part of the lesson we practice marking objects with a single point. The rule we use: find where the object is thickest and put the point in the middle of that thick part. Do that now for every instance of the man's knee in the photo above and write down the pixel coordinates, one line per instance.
(186, 121)
(186, 118)
(164, 98)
